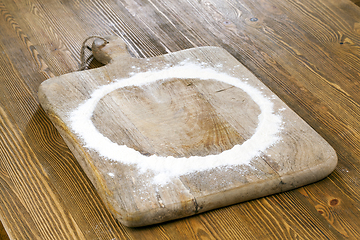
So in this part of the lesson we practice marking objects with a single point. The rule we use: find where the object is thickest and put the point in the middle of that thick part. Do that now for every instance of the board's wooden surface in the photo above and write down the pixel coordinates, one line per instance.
(182, 115)
(307, 53)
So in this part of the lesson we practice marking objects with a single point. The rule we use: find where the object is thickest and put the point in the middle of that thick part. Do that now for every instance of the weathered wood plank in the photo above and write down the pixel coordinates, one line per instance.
(52, 167)
(328, 206)
(35, 196)
(300, 50)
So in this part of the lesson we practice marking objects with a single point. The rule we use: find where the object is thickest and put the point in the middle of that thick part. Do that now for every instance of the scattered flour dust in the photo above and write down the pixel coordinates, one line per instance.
(165, 168)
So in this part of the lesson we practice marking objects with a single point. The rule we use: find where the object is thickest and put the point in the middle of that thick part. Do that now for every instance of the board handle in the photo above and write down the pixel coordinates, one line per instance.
(107, 51)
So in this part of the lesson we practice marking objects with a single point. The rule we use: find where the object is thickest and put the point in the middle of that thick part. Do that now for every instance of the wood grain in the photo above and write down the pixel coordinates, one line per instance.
(18, 145)
(307, 52)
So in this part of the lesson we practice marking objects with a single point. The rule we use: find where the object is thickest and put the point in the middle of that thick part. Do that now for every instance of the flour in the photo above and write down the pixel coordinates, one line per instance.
(165, 168)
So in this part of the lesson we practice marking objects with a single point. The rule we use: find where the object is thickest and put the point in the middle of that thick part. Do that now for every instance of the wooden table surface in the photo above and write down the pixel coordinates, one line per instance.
(305, 51)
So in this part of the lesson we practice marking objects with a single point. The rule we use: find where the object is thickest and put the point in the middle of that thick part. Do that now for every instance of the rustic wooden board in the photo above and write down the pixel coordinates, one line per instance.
(181, 117)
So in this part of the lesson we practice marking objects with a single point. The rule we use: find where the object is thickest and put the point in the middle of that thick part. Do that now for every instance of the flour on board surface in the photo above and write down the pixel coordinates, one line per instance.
(164, 168)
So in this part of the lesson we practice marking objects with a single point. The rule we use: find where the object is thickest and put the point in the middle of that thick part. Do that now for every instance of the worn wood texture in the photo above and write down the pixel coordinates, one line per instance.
(180, 116)
(306, 52)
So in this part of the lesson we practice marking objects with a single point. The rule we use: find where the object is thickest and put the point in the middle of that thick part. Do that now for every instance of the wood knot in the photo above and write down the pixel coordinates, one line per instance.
(321, 212)
(334, 202)
(320, 209)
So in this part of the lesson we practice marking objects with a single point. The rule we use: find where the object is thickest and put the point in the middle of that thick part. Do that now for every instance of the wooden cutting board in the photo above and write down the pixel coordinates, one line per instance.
(182, 133)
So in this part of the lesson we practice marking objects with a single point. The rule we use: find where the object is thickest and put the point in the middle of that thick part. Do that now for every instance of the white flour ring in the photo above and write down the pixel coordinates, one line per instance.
(164, 168)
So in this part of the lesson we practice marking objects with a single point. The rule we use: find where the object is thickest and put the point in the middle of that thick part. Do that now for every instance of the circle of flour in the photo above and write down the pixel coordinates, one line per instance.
(164, 168)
